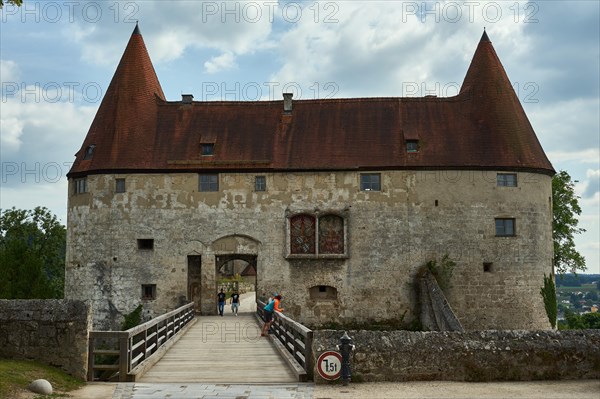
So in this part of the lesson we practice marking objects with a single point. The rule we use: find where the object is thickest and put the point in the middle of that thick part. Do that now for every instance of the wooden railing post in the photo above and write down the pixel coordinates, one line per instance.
(123, 356)
(308, 355)
(91, 356)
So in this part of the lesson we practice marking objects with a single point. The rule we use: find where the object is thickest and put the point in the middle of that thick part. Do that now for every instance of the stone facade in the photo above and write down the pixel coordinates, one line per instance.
(474, 356)
(54, 332)
(388, 234)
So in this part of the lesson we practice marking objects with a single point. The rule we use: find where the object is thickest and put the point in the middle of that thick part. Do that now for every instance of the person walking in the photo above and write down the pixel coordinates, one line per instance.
(221, 301)
(235, 302)
(269, 309)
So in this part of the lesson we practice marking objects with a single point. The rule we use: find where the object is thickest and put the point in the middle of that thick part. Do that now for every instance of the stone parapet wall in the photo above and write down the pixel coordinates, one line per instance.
(472, 356)
(51, 331)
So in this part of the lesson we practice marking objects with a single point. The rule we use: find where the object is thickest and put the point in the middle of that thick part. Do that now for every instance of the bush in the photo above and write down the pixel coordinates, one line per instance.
(442, 272)
(548, 292)
(132, 319)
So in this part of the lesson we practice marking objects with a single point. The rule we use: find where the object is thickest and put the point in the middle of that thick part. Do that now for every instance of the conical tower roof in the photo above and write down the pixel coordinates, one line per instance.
(127, 114)
(503, 131)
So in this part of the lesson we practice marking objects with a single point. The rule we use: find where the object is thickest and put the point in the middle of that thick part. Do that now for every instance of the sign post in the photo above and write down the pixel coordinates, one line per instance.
(329, 365)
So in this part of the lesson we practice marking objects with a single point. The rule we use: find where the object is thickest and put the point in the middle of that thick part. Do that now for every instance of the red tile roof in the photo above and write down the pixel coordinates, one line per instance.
(483, 127)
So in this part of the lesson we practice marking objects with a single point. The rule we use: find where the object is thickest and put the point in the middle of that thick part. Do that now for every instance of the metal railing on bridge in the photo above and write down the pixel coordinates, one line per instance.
(294, 338)
(115, 355)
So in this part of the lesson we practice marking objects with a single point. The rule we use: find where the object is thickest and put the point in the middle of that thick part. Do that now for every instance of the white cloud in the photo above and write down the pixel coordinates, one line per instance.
(223, 26)
(12, 129)
(9, 71)
(222, 62)
(590, 155)
(568, 126)
(37, 131)
(592, 183)
(372, 40)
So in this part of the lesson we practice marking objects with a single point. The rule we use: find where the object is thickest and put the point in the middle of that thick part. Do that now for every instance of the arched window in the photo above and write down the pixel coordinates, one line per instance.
(331, 234)
(302, 234)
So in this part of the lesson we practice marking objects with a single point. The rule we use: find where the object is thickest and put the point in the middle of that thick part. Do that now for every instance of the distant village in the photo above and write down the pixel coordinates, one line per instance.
(578, 293)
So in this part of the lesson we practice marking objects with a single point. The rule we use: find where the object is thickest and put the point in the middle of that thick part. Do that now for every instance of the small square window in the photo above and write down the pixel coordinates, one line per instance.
(148, 292)
(145, 243)
(80, 185)
(412, 145)
(487, 267)
(119, 185)
(505, 227)
(208, 149)
(506, 179)
(370, 182)
(89, 151)
(209, 182)
(260, 183)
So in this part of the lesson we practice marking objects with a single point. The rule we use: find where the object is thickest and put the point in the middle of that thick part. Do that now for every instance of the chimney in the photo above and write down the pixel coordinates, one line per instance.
(187, 98)
(287, 102)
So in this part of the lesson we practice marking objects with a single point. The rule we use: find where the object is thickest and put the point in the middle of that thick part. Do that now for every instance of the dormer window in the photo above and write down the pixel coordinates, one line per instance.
(208, 149)
(412, 145)
(89, 151)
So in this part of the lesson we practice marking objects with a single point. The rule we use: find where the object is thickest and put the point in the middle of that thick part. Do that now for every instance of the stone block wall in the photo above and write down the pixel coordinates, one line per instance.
(472, 356)
(50, 331)
(389, 234)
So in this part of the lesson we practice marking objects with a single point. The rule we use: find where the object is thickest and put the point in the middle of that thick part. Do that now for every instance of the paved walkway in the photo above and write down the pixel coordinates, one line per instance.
(578, 389)
(213, 391)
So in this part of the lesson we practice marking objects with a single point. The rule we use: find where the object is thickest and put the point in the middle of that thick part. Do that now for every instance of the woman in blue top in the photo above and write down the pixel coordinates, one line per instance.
(271, 307)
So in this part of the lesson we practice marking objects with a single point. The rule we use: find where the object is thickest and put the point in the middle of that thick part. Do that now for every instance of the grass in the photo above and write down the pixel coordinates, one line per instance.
(16, 375)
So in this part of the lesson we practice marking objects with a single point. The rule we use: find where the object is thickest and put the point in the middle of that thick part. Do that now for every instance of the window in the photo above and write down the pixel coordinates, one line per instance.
(209, 182)
(145, 243)
(80, 185)
(412, 145)
(506, 179)
(487, 267)
(322, 236)
(323, 292)
(331, 234)
(148, 291)
(370, 182)
(302, 234)
(119, 185)
(208, 149)
(89, 152)
(260, 183)
(505, 227)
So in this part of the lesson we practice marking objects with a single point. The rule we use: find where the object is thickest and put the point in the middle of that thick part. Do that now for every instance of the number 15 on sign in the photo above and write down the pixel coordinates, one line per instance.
(329, 365)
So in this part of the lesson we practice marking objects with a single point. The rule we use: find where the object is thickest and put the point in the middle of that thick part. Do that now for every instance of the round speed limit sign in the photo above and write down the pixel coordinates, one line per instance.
(329, 365)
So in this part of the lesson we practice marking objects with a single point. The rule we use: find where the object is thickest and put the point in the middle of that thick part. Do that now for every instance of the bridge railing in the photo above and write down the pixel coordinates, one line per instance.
(295, 338)
(113, 355)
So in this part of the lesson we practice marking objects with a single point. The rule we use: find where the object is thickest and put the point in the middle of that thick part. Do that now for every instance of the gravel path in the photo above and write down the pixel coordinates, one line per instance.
(578, 389)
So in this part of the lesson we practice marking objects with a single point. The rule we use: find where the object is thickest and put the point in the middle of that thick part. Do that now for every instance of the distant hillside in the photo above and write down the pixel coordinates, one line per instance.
(576, 280)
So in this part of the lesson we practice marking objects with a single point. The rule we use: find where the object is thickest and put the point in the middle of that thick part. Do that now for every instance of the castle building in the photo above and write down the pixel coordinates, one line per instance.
(335, 203)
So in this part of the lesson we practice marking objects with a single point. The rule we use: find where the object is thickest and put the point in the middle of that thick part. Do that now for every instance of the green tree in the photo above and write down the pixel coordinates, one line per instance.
(32, 254)
(15, 2)
(565, 209)
(548, 292)
(574, 321)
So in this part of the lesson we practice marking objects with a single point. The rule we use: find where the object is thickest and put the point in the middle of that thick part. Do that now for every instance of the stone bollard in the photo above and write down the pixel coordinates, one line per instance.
(345, 347)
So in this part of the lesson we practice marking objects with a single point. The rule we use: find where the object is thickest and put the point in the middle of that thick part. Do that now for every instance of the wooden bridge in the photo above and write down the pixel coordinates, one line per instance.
(207, 349)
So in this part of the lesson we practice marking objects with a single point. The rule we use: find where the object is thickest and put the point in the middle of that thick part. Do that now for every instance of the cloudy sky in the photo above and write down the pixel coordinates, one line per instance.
(57, 59)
